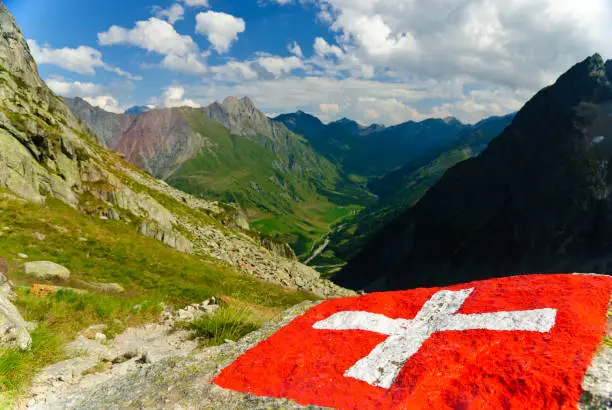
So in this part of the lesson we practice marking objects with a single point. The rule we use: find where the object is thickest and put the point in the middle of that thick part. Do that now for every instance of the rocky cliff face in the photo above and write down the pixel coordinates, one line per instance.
(160, 141)
(46, 152)
(107, 126)
(536, 200)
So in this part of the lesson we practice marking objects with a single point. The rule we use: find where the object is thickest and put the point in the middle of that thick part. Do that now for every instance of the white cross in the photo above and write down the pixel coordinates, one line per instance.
(385, 361)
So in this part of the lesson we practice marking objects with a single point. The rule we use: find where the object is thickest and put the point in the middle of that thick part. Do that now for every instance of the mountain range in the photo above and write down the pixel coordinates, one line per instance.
(372, 151)
(537, 199)
(295, 176)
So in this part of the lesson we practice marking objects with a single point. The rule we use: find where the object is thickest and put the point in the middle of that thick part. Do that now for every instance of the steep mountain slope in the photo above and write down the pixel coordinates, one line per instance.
(374, 150)
(109, 127)
(159, 142)
(536, 200)
(402, 188)
(45, 153)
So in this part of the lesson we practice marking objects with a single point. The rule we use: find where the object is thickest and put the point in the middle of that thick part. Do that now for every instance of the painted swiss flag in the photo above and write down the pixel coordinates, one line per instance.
(522, 342)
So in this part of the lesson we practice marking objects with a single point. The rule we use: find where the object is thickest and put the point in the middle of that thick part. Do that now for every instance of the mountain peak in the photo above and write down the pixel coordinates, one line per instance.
(229, 100)
(15, 56)
(137, 109)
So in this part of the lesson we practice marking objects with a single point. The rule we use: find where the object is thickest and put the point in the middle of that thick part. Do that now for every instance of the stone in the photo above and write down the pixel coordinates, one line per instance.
(39, 236)
(13, 329)
(93, 330)
(103, 287)
(23, 256)
(100, 337)
(46, 270)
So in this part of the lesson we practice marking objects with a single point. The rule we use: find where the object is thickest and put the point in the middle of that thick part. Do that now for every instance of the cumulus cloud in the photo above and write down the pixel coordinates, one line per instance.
(295, 49)
(181, 52)
(172, 14)
(514, 43)
(196, 3)
(221, 29)
(173, 97)
(152, 35)
(190, 63)
(107, 103)
(278, 66)
(82, 60)
(74, 88)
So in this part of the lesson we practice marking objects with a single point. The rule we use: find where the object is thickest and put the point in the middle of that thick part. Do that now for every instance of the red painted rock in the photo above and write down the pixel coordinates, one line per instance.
(522, 342)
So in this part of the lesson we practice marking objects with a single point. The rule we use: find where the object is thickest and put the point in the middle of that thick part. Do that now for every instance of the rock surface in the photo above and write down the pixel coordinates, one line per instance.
(170, 376)
(45, 270)
(597, 382)
(181, 380)
(13, 329)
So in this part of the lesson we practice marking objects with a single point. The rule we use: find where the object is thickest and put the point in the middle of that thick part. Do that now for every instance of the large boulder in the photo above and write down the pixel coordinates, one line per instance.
(46, 270)
(13, 329)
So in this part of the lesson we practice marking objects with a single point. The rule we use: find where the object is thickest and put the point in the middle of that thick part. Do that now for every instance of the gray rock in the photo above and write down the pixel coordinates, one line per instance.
(157, 379)
(45, 270)
(13, 329)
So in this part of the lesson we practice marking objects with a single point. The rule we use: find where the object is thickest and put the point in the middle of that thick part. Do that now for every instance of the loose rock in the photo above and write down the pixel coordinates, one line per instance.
(46, 270)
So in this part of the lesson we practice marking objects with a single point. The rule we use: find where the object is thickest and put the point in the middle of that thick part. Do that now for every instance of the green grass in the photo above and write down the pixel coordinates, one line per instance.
(112, 251)
(228, 323)
(18, 367)
(61, 317)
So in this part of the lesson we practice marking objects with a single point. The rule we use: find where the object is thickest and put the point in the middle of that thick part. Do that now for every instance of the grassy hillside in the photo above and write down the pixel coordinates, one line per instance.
(97, 250)
(288, 191)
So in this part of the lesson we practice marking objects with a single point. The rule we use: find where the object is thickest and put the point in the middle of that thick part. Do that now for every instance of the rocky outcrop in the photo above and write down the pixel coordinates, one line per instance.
(45, 270)
(176, 377)
(160, 141)
(107, 126)
(13, 329)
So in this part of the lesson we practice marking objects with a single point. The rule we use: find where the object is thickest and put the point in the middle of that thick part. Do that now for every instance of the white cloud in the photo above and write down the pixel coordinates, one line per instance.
(181, 52)
(107, 103)
(191, 63)
(235, 71)
(173, 97)
(172, 14)
(74, 88)
(152, 35)
(278, 66)
(82, 60)
(295, 49)
(196, 3)
(330, 109)
(221, 29)
(323, 48)
(514, 43)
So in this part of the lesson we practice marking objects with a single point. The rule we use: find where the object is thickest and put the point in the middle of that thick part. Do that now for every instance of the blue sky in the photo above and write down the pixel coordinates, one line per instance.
(384, 61)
